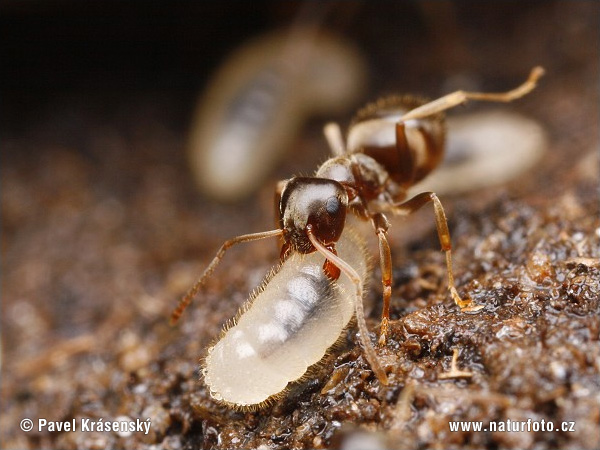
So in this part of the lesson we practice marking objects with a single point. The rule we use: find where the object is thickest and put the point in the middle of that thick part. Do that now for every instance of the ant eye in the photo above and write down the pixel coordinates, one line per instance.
(332, 205)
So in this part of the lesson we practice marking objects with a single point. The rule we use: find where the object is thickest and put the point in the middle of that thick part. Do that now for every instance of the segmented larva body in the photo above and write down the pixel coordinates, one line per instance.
(257, 101)
(287, 326)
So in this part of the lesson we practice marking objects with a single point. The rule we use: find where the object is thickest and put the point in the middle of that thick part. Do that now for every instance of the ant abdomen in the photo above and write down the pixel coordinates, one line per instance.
(408, 150)
(287, 326)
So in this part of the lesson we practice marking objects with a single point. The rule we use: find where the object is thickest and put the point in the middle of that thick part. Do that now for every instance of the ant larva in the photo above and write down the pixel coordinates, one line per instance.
(304, 305)
(287, 326)
(257, 101)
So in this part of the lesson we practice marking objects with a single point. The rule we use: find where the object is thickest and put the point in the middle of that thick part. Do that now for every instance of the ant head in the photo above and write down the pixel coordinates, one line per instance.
(319, 202)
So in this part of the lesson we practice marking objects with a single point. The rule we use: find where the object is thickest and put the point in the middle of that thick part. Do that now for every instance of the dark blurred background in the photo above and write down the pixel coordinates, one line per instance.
(109, 51)
(72, 70)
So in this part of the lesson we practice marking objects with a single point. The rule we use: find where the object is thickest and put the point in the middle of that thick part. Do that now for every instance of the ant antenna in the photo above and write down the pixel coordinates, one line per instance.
(187, 298)
(360, 314)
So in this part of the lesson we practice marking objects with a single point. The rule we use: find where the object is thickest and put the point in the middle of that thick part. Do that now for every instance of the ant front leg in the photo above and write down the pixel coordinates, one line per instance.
(283, 247)
(381, 225)
(335, 139)
(279, 187)
(441, 223)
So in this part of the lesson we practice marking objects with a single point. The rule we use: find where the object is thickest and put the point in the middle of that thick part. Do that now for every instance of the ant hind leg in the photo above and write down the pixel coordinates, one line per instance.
(456, 98)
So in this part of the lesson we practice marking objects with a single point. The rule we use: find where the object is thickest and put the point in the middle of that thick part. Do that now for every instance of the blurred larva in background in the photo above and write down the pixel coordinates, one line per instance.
(257, 101)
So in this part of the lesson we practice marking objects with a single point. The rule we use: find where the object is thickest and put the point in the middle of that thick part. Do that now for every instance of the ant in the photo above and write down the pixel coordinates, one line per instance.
(391, 145)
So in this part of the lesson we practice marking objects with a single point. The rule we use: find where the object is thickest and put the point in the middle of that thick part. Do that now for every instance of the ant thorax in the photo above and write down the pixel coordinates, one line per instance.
(364, 178)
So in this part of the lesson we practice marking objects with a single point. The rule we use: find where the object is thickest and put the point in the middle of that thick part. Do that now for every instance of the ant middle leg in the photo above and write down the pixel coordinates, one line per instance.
(416, 203)
(381, 225)
(456, 98)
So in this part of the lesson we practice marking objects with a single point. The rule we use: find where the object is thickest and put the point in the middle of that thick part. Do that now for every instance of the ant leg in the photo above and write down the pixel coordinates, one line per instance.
(459, 97)
(334, 138)
(441, 223)
(407, 161)
(279, 187)
(370, 354)
(187, 298)
(381, 225)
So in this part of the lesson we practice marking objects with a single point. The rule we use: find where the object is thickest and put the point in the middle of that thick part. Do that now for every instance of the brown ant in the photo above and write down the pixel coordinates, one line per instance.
(391, 145)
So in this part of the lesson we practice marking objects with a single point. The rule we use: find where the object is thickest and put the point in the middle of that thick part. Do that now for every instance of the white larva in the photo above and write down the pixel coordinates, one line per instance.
(486, 149)
(287, 326)
(257, 101)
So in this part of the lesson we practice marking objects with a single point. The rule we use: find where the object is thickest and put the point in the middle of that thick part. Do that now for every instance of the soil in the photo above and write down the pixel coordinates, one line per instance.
(103, 231)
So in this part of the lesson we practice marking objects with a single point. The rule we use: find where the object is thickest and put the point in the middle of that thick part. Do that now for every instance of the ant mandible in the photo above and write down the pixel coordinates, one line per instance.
(391, 145)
